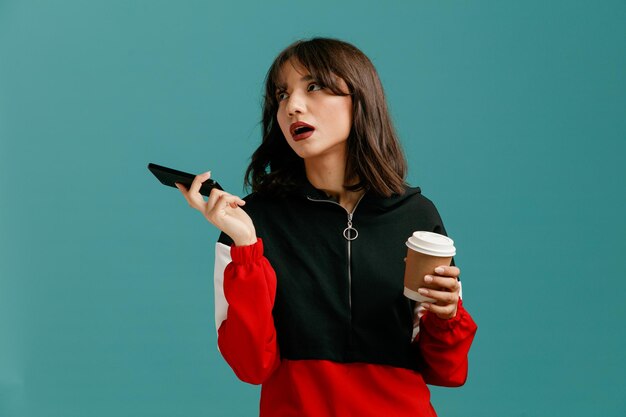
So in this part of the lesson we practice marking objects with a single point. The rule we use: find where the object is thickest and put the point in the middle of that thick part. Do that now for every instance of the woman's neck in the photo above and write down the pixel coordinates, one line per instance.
(329, 176)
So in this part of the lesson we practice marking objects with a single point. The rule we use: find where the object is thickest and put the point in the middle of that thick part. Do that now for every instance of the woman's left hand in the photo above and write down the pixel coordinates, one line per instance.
(447, 293)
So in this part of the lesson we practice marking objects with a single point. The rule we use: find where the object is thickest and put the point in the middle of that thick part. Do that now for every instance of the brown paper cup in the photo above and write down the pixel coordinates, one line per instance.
(426, 251)
(419, 265)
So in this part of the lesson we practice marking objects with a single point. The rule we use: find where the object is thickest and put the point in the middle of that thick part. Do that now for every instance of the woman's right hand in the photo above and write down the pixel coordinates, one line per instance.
(222, 210)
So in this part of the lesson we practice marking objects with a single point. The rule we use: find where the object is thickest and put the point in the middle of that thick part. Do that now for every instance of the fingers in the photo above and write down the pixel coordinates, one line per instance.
(448, 271)
(218, 202)
(444, 291)
(192, 195)
(220, 199)
(181, 187)
(214, 195)
(221, 209)
(225, 200)
(197, 182)
(194, 198)
(446, 283)
(440, 297)
(185, 192)
(444, 312)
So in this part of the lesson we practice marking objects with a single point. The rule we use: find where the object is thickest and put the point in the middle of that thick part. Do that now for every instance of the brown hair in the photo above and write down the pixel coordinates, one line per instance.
(375, 160)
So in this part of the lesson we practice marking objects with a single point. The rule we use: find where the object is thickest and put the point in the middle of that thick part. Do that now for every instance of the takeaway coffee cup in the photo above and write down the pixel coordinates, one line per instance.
(426, 251)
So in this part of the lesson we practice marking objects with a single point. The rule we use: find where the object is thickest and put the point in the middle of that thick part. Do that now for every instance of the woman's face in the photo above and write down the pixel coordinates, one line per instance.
(315, 122)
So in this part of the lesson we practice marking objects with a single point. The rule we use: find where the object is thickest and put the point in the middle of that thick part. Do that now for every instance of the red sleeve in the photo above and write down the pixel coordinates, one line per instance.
(247, 338)
(443, 347)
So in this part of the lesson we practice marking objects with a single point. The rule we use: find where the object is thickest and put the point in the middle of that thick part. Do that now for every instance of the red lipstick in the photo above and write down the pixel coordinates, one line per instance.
(300, 130)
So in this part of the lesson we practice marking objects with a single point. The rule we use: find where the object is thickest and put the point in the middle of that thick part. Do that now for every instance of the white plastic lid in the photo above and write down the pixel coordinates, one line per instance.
(432, 244)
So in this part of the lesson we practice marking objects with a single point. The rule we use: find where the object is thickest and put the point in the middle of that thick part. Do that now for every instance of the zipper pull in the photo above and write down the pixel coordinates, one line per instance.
(350, 233)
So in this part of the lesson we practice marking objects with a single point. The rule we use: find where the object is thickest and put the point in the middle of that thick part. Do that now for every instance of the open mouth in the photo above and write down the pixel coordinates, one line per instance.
(301, 130)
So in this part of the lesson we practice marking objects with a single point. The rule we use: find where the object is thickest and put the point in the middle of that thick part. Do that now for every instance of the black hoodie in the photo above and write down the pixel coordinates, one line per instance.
(338, 299)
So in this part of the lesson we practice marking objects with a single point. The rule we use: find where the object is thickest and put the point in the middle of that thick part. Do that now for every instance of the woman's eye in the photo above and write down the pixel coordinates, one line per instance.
(281, 96)
(314, 87)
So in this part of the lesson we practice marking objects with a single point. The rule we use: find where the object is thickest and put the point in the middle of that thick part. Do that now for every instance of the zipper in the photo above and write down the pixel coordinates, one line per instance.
(350, 234)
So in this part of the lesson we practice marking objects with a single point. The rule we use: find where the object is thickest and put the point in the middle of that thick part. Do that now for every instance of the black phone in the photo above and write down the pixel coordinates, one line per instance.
(169, 176)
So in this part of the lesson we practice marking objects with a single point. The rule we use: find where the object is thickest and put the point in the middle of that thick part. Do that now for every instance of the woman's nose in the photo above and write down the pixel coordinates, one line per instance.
(295, 104)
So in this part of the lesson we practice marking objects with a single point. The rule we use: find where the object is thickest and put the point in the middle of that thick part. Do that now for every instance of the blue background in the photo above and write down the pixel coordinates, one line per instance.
(512, 115)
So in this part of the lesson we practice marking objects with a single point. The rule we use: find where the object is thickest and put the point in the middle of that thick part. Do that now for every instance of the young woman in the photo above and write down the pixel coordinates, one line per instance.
(309, 267)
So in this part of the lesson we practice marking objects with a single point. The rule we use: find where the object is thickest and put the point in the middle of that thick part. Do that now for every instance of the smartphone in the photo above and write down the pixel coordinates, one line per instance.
(169, 176)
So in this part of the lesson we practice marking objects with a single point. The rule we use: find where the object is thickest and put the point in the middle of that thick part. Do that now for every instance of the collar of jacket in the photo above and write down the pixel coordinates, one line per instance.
(370, 203)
